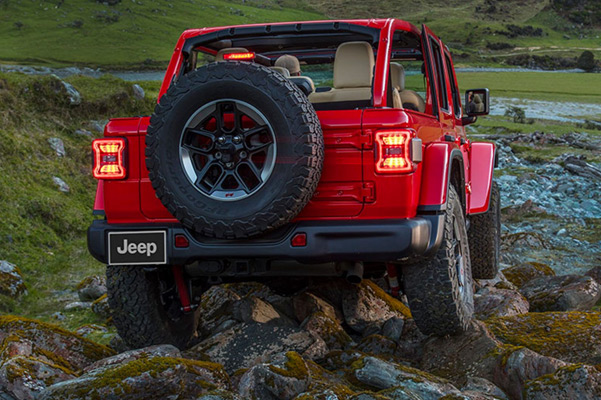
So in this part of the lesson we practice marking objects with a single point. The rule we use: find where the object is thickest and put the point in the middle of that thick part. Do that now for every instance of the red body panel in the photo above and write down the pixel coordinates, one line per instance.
(350, 187)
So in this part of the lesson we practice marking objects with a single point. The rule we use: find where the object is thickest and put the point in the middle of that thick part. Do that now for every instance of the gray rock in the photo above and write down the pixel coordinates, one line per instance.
(164, 377)
(381, 374)
(254, 310)
(367, 304)
(59, 316)
(74, 96)
(580, 382)
(58, 146)
(393, 328)
(274, 382)
(138, 91)
(562, 293)
(517, 367)
(118, 344)
(245, 345)
(490, 301)
(87, 330)
(24, 378)
(97, 126)
(101, 307)
(595, 273)
(377, 345)
(91, 288)
(161, 350)
(11, 281)
(220, 395)
(78, 305)
(217, 306)
(307, 303)
(328, 329)
(481, 385)
(62, 185)
(83, 132)
(521, 274)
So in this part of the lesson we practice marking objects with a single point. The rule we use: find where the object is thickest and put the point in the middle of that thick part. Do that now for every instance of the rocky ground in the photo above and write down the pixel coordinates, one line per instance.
(535, 337)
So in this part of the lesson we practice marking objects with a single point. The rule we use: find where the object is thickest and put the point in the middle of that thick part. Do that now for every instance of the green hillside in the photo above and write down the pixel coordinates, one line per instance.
(141, 33)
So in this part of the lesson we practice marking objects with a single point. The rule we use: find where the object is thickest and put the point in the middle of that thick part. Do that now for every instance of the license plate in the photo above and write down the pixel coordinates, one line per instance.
(137, 248)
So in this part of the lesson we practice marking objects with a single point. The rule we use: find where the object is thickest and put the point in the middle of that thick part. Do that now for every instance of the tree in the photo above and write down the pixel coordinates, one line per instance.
(586, 61)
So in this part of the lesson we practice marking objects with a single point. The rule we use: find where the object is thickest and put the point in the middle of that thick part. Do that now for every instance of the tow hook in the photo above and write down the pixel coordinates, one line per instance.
(182, 289)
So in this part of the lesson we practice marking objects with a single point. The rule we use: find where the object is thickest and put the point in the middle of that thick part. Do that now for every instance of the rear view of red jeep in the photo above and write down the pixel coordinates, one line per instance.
(348, 159)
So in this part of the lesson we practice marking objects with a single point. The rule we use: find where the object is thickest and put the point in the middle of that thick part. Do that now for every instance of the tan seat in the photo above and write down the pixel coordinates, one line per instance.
(478, 104)
(401, 97)
(353, 74)
(282, 70)
(220, 53)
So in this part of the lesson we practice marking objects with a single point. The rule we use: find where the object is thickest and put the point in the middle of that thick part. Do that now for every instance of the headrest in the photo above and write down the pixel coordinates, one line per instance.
(220, 53)
(282, 70)
(397, 75)
(353, 65)
(298, 80)
(289, 62)
(477, 99)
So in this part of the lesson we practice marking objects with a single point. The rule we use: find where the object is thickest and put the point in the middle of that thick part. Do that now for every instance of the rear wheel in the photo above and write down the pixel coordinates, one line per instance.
(146, 308)
(440, 290)
(484, 233)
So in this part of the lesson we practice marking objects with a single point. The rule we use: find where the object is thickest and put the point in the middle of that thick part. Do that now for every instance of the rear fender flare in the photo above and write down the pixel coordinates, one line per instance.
(437, 170)
(483, 159)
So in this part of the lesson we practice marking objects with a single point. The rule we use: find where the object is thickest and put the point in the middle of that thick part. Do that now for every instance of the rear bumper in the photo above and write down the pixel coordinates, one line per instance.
(327, 241)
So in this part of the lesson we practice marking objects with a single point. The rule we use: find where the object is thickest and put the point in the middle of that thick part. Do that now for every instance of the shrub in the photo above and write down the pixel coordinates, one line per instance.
(586, 61)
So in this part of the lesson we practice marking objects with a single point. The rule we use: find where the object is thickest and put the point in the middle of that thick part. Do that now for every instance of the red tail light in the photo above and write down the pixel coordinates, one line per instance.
(239, 56)
(109, 160)
(393, 151)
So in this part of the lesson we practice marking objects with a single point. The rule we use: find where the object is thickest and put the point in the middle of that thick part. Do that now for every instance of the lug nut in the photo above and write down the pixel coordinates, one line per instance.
(218, 155)
(237, 139)
(243, 154)
(229, 164)
(221, 139)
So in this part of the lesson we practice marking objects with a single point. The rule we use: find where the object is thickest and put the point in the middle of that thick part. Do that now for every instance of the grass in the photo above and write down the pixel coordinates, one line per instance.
(572, 87)
(42, 230)
(142, 34)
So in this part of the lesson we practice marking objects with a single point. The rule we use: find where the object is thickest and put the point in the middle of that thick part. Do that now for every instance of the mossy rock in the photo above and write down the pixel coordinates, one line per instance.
(522, 273)
(56, 343)
(575, 381)
(25, 377)
(11, 280)
(328, 329)
(150, 377)
(571, 336)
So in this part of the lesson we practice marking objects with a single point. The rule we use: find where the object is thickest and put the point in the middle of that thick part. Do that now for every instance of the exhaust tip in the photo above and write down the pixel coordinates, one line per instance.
(354, 274)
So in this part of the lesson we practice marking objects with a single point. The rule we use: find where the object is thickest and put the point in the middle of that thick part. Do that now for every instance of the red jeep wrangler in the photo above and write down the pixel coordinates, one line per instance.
(329, 167)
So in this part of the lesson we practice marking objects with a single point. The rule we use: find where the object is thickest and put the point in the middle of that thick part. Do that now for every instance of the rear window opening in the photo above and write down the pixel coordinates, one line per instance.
(336, 63)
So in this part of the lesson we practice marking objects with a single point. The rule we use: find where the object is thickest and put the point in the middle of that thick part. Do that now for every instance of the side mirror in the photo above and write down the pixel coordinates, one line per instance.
(477, 102)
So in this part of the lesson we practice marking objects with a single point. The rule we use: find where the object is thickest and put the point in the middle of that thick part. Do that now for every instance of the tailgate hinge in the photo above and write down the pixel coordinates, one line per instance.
(365, 139)
(368, 192)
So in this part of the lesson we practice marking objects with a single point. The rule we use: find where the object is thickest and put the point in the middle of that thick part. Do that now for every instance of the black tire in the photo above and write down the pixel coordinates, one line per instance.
(484, 238)
(298, 157)
(439, 302)
(142, 313)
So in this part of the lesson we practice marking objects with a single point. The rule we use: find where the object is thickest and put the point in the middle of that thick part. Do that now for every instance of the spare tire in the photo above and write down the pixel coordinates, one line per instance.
(234, 150)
